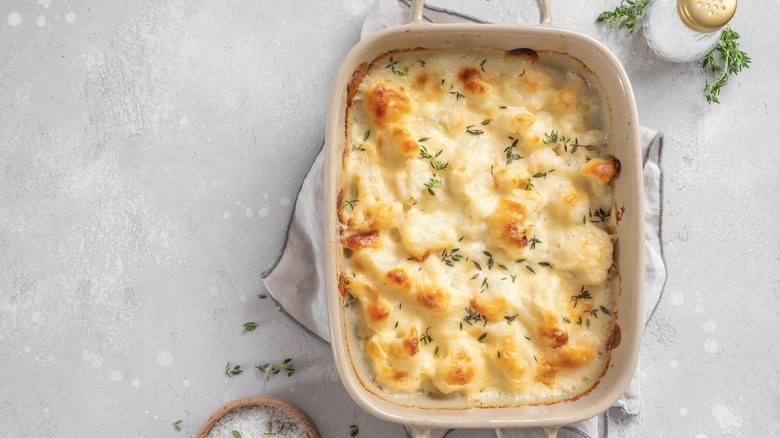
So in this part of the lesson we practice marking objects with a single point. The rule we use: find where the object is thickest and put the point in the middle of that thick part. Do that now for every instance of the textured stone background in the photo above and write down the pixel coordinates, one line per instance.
(150, 153)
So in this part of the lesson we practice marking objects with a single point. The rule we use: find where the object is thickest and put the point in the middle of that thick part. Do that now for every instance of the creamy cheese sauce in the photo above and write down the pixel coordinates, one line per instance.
(478, 226)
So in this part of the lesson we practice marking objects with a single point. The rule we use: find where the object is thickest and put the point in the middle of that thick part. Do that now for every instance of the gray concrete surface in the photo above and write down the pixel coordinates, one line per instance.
(149, 155)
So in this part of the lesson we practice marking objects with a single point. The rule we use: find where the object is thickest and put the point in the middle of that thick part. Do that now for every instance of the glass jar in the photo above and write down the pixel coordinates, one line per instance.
(686, 30)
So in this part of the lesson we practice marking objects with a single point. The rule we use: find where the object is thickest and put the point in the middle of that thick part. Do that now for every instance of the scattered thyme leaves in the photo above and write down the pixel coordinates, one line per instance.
(271, 429)
(354, 430)
(350, 204)
(473, 316)
(250, 326)
(426, 337)
(584, 295)
(393, 67)
(230, 372)
(270, 369)
(176, 424)
(349, 299)
(449, 257)
(511, 319)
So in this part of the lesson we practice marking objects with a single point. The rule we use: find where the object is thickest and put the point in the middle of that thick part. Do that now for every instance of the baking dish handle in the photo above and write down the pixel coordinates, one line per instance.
(416, 11)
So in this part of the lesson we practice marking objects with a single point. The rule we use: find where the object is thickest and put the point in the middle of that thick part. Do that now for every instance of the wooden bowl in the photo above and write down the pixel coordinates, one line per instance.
(262, 400)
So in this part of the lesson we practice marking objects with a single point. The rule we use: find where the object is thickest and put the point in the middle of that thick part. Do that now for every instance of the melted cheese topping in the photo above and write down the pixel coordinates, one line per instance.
(478, 227)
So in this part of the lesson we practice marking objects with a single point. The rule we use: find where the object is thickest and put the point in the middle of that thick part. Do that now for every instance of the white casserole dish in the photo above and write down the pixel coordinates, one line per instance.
(629, 251)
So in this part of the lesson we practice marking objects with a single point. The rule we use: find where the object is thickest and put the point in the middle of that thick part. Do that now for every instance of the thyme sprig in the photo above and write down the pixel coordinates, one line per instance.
(437, 166)
(250, 326)
(732, 61)
(270, 369)
(627, 14)
(349, 299)
(354, 430)
(510, 152)
(176, 424)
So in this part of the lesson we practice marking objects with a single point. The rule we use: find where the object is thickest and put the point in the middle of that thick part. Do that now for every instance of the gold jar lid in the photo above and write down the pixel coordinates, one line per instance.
(706, 16)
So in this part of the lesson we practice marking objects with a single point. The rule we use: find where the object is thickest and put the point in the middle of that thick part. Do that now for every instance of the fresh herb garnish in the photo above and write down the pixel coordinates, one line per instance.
(600, 214)
(270, 369)
(358, 147)
(354, 430)
(250, 326)
(392, 66)
(482, 64)
(235, 434)
(176, 424)
(470, 129)
(426, 338)
(550, 138)
(437, 166)
(627, 14)
(584, 295)
(349, 299)
(565, 319)
(262, 296)
(510, 152)
(510, 319)
(448, 257)
(534, 241)
(457, 94)
(351, 204)
(473, 316)
(233, 371)
(271, 429)
(732, 61)
(481, 338)
(545, 264)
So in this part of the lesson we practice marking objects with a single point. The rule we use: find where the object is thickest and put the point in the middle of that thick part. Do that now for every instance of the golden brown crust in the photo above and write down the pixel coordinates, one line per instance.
(601, 169)
(361, 240)
(472, 81)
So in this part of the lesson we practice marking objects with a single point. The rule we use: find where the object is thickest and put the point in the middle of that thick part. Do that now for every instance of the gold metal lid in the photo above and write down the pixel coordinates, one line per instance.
(706, 16)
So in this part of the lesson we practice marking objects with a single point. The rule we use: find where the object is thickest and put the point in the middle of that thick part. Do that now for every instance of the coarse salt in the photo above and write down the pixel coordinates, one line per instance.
(256, 421)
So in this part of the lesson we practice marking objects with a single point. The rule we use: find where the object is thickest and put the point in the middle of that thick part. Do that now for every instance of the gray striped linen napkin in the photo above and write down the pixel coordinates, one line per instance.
(296, 280)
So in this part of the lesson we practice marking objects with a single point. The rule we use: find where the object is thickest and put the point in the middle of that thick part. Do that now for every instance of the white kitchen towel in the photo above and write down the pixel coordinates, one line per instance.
(296, 279)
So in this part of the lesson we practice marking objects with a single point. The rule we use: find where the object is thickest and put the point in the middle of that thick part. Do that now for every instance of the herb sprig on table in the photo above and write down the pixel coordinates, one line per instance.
(625, 15)
(270, 369)
(732, 61)
(724, 60)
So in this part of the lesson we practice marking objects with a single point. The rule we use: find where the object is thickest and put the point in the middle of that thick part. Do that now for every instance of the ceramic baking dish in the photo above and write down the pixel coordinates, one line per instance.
(629, 251)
